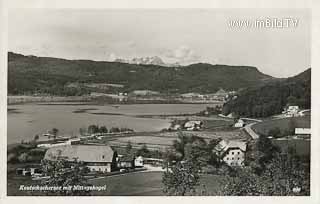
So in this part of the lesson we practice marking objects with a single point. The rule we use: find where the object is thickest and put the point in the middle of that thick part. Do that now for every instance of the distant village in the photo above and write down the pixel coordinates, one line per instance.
(135, 96)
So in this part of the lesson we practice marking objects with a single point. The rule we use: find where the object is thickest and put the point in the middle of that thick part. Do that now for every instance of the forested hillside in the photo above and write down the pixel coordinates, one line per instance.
(30, 74)
(272, 97)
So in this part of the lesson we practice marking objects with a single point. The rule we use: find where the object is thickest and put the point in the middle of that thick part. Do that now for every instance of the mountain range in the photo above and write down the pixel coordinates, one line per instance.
(155, 60)
(32, 74)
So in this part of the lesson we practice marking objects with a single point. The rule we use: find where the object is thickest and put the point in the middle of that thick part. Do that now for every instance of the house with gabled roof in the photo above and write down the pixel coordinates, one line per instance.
(232, 152)
(100, 158)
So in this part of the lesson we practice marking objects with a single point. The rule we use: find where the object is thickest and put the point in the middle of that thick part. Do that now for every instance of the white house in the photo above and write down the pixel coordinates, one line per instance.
(193, 125)
(240, 123)
(302, 131)
(232, 152)
(291, 111)
(138, 162)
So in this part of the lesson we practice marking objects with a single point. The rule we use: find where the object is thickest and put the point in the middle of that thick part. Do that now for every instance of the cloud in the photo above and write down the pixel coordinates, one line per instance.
(132, 44)
(182, 54)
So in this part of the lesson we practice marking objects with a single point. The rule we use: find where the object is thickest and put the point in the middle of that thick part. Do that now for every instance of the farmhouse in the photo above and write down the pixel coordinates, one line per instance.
(193, 125)
(232, 152)
(240, 123)
(291, 111)
(96, 157)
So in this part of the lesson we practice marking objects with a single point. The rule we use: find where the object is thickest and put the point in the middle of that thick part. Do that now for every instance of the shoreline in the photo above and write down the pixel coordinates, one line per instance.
(89, 100)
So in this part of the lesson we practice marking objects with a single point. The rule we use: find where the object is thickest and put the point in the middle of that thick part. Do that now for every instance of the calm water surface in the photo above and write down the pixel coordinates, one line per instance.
(27, 120)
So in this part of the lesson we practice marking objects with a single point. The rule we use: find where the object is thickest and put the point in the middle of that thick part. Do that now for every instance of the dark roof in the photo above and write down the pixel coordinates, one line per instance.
(126, 158)
(225, 145)
(85, 153)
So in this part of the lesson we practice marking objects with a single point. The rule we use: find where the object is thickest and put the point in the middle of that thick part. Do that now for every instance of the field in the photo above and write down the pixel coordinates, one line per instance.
(133, 184)
(165, 139)
(147, 184)
(283, 124)
(213, 124)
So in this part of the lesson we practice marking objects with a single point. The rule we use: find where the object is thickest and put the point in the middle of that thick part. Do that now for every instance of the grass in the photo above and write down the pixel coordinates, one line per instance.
(149, 184)
(283, 123)
(148, 140)
(213, 124)
(134, 184)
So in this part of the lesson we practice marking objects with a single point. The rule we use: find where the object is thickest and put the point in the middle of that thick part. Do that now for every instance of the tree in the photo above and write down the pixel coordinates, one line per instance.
(54, 132)
(82, 131)
(143, 151)
(261, 154)
(182, 179)
(114, 130)
(292, 126)
(23, 157)
(129, 147)
(92, 129)
(179, 145)
(184, 164)
(65, 174)
(103, 129)
(292, 100)
(285, 174)
(36, 138)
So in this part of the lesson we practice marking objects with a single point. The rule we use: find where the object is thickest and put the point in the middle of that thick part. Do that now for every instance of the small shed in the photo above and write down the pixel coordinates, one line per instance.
(138, 162)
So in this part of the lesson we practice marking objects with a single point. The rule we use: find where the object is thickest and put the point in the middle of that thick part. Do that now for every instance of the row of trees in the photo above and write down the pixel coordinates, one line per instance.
(211, 111)
(92, 129)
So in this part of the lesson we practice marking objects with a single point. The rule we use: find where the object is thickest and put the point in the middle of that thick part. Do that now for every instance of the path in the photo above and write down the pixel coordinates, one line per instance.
(250, 131)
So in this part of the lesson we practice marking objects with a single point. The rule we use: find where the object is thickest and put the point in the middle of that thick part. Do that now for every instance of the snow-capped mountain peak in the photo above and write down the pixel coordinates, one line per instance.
(155, 60)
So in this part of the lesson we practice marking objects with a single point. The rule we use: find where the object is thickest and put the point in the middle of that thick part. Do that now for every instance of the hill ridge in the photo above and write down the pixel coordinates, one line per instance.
(30, 74)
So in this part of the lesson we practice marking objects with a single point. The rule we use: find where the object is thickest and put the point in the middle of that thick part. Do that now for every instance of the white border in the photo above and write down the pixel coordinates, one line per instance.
(99, 4)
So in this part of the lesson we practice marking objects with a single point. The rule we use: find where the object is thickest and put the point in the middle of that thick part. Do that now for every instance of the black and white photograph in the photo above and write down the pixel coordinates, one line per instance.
(158, 102)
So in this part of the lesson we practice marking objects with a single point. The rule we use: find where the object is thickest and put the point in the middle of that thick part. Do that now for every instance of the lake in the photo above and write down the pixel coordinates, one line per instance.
(27, 120)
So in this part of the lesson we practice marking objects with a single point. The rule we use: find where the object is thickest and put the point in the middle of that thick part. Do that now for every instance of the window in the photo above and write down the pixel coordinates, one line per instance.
(232, 158)
(102, 156)
(238, 152)
(232, 153)
(227, 158)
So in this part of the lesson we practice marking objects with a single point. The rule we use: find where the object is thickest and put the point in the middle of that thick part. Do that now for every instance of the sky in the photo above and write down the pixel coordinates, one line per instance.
(176, 35)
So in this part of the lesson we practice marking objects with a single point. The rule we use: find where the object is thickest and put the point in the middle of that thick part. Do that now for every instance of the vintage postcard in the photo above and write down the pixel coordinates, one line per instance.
(158, 102)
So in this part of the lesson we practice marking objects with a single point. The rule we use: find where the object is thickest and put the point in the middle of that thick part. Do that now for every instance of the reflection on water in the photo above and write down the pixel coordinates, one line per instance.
(25, 121)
